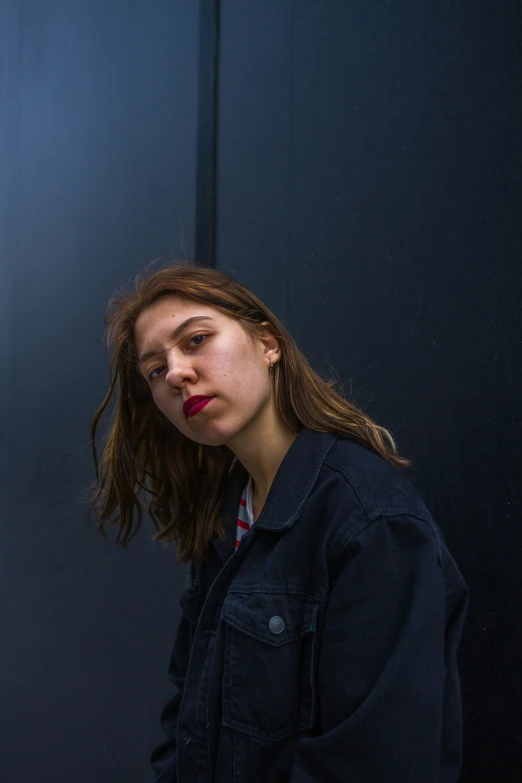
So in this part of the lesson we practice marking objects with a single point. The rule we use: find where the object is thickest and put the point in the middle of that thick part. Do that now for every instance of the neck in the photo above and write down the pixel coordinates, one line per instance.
(261, 449)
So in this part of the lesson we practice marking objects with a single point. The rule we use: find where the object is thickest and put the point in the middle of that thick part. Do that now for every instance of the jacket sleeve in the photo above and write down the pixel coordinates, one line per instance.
(386, 672)
(163, 758)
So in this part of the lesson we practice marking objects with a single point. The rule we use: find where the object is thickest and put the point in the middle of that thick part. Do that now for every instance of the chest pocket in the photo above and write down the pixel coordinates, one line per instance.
(268, 674)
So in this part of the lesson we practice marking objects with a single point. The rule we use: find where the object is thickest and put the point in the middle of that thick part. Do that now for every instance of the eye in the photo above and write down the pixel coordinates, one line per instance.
(202, 334)
(152, 377)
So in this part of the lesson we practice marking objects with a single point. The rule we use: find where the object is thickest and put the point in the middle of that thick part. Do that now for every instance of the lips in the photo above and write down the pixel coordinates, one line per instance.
(194, 404)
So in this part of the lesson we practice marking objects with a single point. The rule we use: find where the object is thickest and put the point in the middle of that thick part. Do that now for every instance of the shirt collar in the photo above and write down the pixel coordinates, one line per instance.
(290, 488)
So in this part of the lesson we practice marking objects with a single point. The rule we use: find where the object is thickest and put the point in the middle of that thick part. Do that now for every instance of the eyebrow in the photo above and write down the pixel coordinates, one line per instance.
(173, 336)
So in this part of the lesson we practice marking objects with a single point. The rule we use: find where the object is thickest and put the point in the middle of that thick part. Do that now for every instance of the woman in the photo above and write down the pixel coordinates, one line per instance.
(318, 639)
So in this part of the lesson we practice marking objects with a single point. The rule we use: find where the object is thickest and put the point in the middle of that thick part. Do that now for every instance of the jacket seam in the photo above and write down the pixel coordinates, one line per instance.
(414, 511)
(401, 513)
(381, 513)
(279, 588)
(347, 479)
(431, 524)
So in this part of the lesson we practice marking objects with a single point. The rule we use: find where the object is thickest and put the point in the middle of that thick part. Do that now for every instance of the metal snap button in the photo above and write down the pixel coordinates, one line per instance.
(276, 624)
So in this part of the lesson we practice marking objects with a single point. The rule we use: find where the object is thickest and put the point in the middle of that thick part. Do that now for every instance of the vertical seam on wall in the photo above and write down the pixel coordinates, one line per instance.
(10, 183)
(206, 177)
(290, 168)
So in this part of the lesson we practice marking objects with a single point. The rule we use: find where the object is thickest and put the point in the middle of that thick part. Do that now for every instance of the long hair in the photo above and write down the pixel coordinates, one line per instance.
(147, 460)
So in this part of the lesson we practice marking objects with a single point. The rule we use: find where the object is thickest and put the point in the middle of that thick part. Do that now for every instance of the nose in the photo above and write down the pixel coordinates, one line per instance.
(179, 369)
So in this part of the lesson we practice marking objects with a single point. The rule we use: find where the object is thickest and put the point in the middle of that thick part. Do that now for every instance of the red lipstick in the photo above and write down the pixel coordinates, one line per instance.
(194, 404)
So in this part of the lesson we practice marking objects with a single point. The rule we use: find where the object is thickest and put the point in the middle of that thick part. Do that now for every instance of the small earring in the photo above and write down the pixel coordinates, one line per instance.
(271, 365)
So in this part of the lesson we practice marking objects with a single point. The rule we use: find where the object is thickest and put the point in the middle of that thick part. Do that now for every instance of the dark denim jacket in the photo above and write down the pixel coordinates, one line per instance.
(324, 649)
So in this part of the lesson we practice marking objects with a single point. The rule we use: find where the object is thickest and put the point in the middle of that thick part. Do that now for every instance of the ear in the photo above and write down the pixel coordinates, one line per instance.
(271, 347)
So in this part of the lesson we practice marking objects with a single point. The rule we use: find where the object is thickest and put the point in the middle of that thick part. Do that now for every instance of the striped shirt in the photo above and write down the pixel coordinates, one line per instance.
(245, 516)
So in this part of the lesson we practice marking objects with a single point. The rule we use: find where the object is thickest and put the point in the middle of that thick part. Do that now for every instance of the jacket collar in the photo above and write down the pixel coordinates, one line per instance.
(290, 488)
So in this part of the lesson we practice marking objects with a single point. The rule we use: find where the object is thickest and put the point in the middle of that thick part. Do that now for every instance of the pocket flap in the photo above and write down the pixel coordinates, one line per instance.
(274, 618)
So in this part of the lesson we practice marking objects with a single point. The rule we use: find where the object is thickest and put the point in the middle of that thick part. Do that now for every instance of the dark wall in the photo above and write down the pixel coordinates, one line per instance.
(98, 113)
(369, 190)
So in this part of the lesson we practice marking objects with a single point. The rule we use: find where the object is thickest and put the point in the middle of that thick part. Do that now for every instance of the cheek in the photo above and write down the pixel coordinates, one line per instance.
(162, 403)
(238, 371)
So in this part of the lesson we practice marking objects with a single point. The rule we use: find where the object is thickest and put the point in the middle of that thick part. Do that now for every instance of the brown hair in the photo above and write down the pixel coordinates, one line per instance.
(144, 451)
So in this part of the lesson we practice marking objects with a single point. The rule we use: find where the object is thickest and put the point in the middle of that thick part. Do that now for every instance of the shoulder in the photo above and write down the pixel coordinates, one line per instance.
(378, 486)
(358, 488)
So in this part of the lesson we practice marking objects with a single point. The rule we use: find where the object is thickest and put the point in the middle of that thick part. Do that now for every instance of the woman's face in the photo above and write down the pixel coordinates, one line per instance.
(213, 357)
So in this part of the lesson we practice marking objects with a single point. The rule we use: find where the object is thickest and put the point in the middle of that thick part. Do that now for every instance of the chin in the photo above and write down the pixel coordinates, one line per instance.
(207, 440)
(213, 434)
(208, 436)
